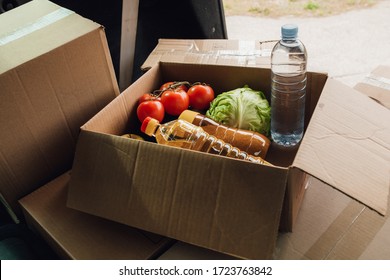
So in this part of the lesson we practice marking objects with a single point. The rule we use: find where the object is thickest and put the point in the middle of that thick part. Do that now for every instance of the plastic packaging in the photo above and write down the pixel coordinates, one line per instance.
(288, 88)
(251, 142)
(180, 133)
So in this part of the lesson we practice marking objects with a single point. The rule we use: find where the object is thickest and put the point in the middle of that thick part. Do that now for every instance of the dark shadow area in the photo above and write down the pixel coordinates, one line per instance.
(174, 19)
(17, 242)
(177, 19)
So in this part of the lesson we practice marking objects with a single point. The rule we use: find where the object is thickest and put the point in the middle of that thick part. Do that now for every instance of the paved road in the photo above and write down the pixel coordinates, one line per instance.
(346, 46)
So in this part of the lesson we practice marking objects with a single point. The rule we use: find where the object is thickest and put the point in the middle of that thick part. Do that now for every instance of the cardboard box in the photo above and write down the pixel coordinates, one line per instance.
(236, 208)
(55, 74)
(76, 235)
(216, 51)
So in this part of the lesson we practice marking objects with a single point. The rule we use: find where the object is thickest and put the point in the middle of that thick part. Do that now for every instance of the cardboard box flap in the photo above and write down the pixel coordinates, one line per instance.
(211, 51)
(377, 85)
(38, 21)
(347, 145)
(167, 192)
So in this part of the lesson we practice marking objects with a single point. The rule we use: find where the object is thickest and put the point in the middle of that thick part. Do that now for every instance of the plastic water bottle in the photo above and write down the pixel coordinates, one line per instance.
(288, 88)
(180, 133)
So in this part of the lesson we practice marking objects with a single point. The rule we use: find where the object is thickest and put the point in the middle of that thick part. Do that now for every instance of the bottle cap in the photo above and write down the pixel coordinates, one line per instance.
(149, 126)
(188, 115)
(289, 31)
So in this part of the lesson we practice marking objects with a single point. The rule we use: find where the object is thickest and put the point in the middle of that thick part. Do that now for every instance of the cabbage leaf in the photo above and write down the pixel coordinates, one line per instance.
(242, 108)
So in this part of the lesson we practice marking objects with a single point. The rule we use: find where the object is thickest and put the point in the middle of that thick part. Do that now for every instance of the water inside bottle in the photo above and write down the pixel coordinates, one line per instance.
(287, 112)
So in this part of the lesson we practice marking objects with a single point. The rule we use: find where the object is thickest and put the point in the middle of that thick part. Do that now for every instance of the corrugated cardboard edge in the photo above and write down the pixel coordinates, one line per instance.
(110, 125)
(295, 191)
(109, 62)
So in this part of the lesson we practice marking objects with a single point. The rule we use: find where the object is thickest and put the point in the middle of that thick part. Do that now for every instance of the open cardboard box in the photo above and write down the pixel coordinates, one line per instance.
(55, 74)
(224, 204)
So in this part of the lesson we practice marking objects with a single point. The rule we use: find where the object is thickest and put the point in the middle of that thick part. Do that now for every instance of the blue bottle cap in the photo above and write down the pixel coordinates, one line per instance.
(289, 31)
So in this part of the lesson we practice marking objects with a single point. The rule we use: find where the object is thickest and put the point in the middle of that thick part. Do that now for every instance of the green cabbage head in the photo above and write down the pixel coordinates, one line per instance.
(243, 108)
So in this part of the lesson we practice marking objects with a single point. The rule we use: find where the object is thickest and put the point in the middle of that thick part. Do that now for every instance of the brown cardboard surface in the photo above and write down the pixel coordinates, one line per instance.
(76, 235)
(235, 209)
(332, 225)
(347, 145)
(55, 74)
(217, 51)
(38, 22)
(165, 191)
(377, 85)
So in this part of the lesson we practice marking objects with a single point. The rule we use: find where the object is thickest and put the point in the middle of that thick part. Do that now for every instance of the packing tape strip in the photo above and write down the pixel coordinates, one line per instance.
(329, 239)
(35, 25)
(380, 82)
(349, 235)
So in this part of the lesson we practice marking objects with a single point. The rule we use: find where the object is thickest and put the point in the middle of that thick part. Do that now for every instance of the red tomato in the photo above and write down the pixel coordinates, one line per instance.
(200, 96)
(175, 101)
(151, 108)
(173, 85)
(147, 96)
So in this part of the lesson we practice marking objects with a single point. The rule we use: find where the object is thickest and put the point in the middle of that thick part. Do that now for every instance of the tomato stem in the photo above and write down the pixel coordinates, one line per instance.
(175, 85)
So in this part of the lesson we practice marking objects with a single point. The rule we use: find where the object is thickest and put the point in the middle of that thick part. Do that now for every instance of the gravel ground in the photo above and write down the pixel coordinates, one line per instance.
(346, 46)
